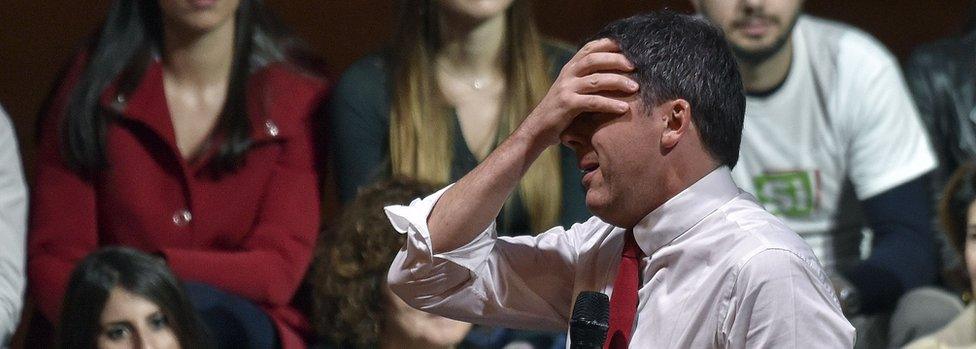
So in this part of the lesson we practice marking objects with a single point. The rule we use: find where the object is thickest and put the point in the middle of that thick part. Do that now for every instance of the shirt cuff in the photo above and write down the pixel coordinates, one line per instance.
(412, 221)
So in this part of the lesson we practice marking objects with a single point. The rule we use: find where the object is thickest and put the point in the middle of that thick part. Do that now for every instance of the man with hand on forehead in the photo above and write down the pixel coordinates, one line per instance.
(653, 110)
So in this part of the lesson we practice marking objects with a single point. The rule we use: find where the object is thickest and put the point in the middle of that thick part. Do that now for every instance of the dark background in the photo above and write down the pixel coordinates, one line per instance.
(37, 37)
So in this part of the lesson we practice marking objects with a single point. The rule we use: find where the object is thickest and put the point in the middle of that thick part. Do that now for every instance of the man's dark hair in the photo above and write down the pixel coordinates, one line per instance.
(681, 56)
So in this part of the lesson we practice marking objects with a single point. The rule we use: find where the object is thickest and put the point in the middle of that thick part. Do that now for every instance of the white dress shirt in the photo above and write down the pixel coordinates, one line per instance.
(719, 272)
(13, 225)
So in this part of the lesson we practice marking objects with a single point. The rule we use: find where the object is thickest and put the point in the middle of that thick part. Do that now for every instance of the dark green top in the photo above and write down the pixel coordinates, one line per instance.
(360, 112)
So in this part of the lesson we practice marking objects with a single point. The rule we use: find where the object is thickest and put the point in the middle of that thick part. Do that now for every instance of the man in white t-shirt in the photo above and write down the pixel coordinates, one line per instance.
(832, 144)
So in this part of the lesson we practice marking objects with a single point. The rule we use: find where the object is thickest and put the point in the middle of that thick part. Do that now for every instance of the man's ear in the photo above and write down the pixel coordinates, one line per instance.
(677, 122)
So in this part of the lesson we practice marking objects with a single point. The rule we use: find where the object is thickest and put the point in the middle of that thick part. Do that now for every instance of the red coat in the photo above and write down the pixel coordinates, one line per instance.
(250, 232)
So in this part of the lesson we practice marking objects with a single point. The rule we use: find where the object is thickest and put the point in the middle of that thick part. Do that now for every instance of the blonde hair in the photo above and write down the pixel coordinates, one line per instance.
(421, 133)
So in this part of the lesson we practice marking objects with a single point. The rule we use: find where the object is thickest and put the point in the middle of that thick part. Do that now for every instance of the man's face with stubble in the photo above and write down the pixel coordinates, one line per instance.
(756, 29)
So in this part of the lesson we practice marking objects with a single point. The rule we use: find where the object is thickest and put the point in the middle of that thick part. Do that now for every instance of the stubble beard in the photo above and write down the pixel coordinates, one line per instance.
(762, 54)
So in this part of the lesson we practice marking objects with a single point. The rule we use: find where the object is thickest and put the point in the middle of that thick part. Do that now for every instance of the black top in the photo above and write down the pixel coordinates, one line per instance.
(942, 78)
(360, 112)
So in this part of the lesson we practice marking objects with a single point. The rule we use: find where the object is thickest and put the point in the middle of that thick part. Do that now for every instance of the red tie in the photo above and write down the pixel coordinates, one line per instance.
(623, 302)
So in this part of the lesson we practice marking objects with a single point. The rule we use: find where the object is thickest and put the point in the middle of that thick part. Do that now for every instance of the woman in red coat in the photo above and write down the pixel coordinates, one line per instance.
(185, 131)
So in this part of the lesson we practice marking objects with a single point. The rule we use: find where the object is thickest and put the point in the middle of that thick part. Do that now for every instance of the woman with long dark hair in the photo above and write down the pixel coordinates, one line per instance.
(118, 297)
(184, 130)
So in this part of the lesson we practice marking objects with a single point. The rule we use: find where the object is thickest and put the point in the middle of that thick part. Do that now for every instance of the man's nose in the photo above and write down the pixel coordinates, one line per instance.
(144, 342)
(572, 136)
(753, 4)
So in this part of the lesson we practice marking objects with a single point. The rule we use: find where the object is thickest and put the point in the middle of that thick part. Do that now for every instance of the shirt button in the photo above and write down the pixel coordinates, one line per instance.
(271, 128)
(182, 217)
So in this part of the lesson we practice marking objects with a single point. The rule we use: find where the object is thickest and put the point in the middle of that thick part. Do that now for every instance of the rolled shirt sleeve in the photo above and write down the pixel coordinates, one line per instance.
(520, 282)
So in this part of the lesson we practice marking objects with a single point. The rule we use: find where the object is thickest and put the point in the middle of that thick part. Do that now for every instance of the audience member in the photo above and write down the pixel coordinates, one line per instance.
(354, 306)
(183, 130)
(832, 143)
(942, 79)
(654, 112)
(459, 78)
(118, 297)
(957, 213)
(13, 223)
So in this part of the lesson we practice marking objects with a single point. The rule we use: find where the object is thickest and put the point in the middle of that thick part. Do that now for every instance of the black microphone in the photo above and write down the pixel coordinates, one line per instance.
(591, 319)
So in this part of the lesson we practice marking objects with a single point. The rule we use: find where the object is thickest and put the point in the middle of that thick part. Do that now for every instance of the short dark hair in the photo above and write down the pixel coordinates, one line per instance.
(93, 280)
(683, 56)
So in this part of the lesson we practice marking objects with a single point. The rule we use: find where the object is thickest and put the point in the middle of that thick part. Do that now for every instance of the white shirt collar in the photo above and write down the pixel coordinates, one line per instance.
(677, 215)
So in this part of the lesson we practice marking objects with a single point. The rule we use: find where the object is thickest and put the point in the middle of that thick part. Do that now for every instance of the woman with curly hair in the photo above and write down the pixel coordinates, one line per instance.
(354, 308)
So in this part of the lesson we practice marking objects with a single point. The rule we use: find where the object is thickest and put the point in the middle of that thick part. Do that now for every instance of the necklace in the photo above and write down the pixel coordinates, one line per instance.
(477, 84)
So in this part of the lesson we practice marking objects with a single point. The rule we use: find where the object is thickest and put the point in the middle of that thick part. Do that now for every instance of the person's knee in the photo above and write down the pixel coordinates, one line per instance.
(921, 311)
(233, 321)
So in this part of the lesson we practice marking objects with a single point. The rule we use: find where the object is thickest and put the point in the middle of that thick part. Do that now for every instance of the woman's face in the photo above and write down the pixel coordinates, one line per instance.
(970, 244)
(199, 15)
(476, 10)
(131, 321)
(430, 330)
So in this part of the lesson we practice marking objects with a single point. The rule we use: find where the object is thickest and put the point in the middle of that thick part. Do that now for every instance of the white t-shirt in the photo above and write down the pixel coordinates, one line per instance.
(840, 129)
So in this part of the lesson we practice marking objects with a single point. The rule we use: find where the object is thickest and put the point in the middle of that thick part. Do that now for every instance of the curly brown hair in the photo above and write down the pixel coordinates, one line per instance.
(351, 264)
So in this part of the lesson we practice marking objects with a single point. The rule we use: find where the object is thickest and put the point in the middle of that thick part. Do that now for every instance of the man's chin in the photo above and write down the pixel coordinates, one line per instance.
(600, 208)
(755, 53)
(594, 205)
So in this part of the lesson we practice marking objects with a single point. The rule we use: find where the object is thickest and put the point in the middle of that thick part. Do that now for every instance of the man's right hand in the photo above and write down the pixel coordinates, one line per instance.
(588, 83)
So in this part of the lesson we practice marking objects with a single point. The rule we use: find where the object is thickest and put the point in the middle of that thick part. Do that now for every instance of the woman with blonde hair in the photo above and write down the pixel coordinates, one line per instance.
(459, 77)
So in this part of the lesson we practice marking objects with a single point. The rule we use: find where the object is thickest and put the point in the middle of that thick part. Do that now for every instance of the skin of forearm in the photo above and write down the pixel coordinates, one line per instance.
(456, 219)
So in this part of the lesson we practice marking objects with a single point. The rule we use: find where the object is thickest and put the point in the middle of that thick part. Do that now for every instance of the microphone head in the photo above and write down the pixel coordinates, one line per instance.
(591, 318)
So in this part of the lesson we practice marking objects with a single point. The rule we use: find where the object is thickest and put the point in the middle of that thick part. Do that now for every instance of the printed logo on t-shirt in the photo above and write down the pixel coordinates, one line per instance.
(789, 194)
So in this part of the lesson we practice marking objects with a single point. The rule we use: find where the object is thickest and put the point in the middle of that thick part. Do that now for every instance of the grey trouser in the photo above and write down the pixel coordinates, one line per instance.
(919, 312)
